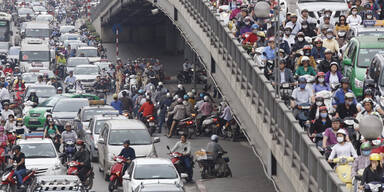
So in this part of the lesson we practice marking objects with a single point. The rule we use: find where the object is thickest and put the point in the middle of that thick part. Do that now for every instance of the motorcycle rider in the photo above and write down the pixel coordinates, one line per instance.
(288, 37)
(10, 124)
(147, 109)
(54, 82)
(5, 97)
(179, 112)
(116, 103)
(205, 110)
(330, 138)
(321, 123)
(362, 161)
(40, 80)
(19, 83)
(51, 128)
(300, 42)
(301, 95)
(70, 79)
(33, 98)
(304, 67)
(128, 153)
(308, 29)
(164, 103)
(318, 50)
(82, 156)
(213, 150)
(333, 76)
(354, 18)
(320, 84)
(8, 69)
(68, 134)
(330, 42)
(294, 24)
(342, 148)
(19, 158)
(184, 147)
(6, 111)
(126, 102)
(59, 90)
(348, 108)
(340, 93)
(369, 109)
(20, 129)
(325, 64)
(374, 172)
(180, 92)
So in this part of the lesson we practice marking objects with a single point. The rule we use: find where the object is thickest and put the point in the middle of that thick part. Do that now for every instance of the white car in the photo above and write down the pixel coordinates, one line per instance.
(43, 92)
(41, 154)
(151, 170)
(86, 76)
(90, 52)
(72, 62)
(315, 8)
(66, 28)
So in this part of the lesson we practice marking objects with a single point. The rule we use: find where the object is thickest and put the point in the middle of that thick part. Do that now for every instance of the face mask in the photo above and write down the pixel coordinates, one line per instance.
(287, 32)
(321, 80)
(78, 148)
(366, 153)
(323, 115)
(329, 36)
(340, 139)
(319, 103)
(354, 12)
(304, 26)
(369, 16)
(349, 102)
(302, 86)
(300, 39)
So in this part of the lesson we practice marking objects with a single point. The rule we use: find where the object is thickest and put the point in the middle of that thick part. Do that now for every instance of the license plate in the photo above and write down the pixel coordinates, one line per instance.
(151, 124)
(33, 119)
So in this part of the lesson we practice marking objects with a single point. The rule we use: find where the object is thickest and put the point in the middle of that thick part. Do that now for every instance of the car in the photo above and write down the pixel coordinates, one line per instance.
(90, 52)
(65, 110)
(44, 18)
(92, 132)
(39, 10)
(36, 117)
(43, 92)
(40, 153)
(66, 28)
(113, 135)
(315, 8)
(366, 30)
(375, 74)
(149, 171)
(103, 64)
(156, 187)
(71, 42)
(86, 113)
(86, 74)
(70, 36)
(69, 183)
(30, 78)
(23, 12)
(357, 57)
(72, 62)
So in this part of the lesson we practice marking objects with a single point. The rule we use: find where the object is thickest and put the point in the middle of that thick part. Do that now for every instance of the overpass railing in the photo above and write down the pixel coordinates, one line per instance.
(313, 168)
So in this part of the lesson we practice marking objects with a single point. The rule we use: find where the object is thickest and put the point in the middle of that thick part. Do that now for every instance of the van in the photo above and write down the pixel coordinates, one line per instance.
(113, 135)
(37, 30)
(35, 55)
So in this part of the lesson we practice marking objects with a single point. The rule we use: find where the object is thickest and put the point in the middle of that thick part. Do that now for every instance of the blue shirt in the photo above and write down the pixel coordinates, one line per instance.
(128, 153)
(117, 105)
(339, 97)
(318, 54)
(269, 53)
(319, 87)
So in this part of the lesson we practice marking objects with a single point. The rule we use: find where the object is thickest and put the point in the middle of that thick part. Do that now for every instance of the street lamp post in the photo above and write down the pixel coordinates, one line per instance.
(277, 21)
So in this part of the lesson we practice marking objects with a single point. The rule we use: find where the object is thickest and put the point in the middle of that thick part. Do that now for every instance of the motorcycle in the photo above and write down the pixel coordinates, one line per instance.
(73, 169)
(115, 179)
(60, 71)
(186, 127)
(69, 151)
(327, 96)
(55, 139)
(176, 161)
(3, 156)
(209, 169)
(101, 93)
(348, 124)
(28, 105)
(286, 92)
(231, 130)
(211, 125)
(310, 80)
(373, 187)
(70, 88)
(303, 115)
(9, 180)
(151, 124)
(343, 170)
(357, 180)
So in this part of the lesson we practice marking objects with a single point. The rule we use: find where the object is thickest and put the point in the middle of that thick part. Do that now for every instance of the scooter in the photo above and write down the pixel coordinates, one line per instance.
(327, 96)
(286, 92)
(357, 180)
(73, 169)
(186, 127)
(208, 168)
(303, 115)
(176, 160)
(348, 124)
(151, 124)
(115, 179)
(373, 187)
(3, 156)
(210, 125)
(28, 105)
(9, 180)
(69, 151)
(344, 170)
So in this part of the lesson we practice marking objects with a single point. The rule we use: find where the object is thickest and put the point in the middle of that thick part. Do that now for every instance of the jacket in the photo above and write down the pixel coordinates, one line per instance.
(326, 77)
(324, 65)
(287, 74)
(179, 112)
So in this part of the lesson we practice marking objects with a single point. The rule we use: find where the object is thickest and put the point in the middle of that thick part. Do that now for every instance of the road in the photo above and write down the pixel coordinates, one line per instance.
(247, 170)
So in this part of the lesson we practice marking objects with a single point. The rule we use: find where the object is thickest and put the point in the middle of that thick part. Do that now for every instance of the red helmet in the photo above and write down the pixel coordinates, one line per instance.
(323, 108)
(320, 74)
(307, 47)
(79, 142)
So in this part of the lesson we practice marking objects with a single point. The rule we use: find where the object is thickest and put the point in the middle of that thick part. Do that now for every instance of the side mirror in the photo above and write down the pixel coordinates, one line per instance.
(88, 131)
(101, 141)
(156, 139)
(49, 110)
(347, 61)
(127, 177)
(182, 175)
(168, 147)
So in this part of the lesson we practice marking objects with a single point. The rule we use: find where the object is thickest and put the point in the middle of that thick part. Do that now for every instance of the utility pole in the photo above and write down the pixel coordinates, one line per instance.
(276, 14)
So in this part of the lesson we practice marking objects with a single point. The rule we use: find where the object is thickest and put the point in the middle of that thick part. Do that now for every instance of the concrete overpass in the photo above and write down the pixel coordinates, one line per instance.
(289, 155)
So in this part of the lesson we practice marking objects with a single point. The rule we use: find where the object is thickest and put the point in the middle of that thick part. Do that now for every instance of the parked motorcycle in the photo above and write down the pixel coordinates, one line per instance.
(73, 169)
(115, 180)
(344, 169)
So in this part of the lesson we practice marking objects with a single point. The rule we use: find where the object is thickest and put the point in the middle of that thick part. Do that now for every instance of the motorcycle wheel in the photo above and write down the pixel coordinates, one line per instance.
(112, 185)
(228, 172)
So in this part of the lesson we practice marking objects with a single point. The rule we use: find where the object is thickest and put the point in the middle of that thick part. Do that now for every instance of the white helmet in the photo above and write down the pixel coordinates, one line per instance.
(341, 131)
(206, 98)
(190, 94)
(180, 86)
(214, 137)
(160, 83)
(304, 58)
(168, 95)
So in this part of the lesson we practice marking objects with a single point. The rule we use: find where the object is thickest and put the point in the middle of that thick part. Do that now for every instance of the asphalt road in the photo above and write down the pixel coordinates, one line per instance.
(248, 174)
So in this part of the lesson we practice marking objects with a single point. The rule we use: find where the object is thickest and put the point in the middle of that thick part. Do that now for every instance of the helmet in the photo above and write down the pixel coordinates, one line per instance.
(168, 95)
(79, 142)
(193, 91)
(19, 119)
(288, 27)
(329, 31)
(344, 80)
(180, 86)
(318, 39)
(336, 119)
(300, 34)
(201, 95)
(323, 108)
(328, 51)
(302, 80)
(307, 47)
(16, 147)
(118, 59)
(141, 91)
(368, 92)
(206, 98)
(68, 125)
(114, 96)
(254, 26)
(349, 95)
(186, 97)
(214, 137)
(365, 146)
(179, 100)
(127, 142)
(375, 157)
(304, 58)
(337, 65)
(368, 100)
(60, 88)
(320, 74)
(160, 83)
(260, 34)
(341, 131)
(190, 94)
(319, 99)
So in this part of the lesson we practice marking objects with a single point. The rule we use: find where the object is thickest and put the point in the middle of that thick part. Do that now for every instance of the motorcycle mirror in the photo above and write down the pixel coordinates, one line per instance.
(185, 148)
(126, 177)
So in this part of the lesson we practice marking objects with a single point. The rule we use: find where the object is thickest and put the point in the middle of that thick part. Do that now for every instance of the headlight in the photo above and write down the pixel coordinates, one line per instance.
(358, 83)
(4, 177)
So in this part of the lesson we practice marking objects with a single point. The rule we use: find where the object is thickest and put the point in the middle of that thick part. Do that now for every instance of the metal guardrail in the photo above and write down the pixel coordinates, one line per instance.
(312, 167)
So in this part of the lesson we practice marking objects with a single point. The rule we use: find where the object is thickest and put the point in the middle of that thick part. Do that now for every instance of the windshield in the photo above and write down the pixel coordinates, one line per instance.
(14, 51)
(38, 150)
(25, 11)
(72, 62)
(86, 71)
(136, 136)
(4, 31)
(49, 102)
(88, 114)
(35, 55)
(39, 8)
(42, 18)
(155, 171)
(103, 65)
(71, 37)
(43, 92)
(87, 52)
(365, 56)
(29, 77)
(37, 32)
(69, 106)
(99, 125)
